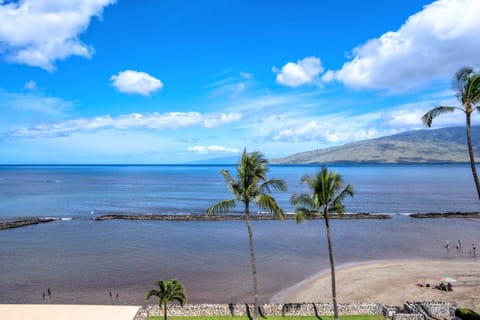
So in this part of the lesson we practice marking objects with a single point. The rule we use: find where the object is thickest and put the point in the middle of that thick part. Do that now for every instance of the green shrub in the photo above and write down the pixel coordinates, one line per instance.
(466, 314)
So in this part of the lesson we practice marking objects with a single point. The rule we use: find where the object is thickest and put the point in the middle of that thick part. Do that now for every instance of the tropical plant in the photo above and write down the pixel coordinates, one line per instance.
(251, 187)
(172, 290)
(326, 195)
(466, 85)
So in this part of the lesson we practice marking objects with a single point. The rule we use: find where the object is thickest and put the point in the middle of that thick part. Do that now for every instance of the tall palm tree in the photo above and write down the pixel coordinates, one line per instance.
(326, 195)
(251, 186)
(172, 290)
(466, 85)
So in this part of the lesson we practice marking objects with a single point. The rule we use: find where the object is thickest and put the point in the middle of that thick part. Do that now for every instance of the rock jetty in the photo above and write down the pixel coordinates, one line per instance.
(200, 217)
(446, 215)
(24, 222)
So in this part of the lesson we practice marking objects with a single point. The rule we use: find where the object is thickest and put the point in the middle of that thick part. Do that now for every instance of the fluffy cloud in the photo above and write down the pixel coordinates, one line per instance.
(431, 45)
(331, 130)
(30, 85)
(304, 71)
(134, 120)
(212, 149)
(40, 32)
(130, 81)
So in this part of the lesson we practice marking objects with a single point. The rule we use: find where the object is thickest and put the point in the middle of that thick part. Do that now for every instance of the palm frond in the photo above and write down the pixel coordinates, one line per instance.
(304, 200)
(348, 191)
(182, 299)
(304, 213)
(268, 203)
(221, 207)
(435, 112)
(152, 293)
(473, 92)
(273, 185)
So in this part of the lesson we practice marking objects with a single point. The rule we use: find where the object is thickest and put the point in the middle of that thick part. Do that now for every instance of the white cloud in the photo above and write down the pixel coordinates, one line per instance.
(216, 119)
(130, 81)
(30, 85)
(172, 120)
(40, 32)
(212, 149)
(34, 102)
(304, 71)
(229, 83)
(245, 75)
(332, 129)
(431, 45)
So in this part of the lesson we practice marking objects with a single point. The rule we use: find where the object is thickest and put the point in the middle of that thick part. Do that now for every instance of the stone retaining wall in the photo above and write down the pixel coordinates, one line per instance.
(289, 309)
(441, 310)
(408, 316)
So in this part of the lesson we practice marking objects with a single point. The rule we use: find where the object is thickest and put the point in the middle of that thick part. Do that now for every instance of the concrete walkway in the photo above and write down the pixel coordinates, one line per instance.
(66, 312)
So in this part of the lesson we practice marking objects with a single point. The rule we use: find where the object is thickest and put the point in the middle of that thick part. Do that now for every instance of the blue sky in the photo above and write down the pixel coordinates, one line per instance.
(153, 81)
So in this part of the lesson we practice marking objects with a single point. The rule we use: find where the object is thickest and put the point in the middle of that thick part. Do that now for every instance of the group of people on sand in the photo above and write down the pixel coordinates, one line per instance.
(458, 246)
(442, 286)
(49, 294)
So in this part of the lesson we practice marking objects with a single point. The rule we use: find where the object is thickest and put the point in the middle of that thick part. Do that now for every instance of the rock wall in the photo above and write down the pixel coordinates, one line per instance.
(289, 309)
(441, 310)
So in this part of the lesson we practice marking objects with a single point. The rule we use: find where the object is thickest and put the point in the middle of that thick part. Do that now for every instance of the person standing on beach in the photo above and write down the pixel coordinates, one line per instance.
(447, 245)
(474, 249)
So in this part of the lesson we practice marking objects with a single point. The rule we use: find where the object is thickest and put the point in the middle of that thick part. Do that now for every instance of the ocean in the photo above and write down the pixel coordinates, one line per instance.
(82, 260)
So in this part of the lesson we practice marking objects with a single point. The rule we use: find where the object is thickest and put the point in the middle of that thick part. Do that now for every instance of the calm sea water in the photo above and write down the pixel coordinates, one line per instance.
(81, 260)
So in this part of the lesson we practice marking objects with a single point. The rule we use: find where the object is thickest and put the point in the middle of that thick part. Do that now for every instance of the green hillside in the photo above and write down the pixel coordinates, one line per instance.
(446, 145)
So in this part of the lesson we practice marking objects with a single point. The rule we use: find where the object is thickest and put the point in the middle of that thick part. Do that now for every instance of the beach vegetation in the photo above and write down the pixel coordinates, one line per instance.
(466, 85)
(172, 290)
(251, 187)
(325, 196)
(466, 314)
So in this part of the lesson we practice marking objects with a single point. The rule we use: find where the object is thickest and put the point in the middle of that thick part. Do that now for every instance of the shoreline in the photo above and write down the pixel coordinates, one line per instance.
(390, 282)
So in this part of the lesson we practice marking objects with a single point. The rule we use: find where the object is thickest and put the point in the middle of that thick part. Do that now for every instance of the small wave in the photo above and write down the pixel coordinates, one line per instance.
(49, 218)
(66, 219)
(51, 181)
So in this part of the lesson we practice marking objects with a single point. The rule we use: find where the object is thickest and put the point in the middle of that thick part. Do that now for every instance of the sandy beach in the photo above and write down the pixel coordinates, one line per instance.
(392, 283)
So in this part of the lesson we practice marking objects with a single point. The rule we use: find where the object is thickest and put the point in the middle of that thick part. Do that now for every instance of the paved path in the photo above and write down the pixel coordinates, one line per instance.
(66, 312)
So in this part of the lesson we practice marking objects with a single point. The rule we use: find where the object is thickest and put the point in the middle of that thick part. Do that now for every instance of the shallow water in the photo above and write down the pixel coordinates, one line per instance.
(210, 258)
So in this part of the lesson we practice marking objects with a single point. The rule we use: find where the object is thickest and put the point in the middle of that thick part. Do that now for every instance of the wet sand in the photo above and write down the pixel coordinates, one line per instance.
(392, 283)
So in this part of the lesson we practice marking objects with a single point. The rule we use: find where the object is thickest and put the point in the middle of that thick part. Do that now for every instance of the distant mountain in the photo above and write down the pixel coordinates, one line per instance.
(447, 145)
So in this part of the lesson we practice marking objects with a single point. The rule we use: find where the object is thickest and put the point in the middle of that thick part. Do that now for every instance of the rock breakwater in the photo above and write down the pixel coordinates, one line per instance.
(24, 223)
(200, 217)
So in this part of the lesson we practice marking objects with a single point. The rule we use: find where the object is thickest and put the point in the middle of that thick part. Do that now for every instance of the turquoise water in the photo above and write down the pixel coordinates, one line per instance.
(81, 260)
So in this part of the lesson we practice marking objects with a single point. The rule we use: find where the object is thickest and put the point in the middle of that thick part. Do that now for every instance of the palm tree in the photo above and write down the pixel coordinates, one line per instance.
(327, 194)
(172, 290)
(251, 187)
(466, 85)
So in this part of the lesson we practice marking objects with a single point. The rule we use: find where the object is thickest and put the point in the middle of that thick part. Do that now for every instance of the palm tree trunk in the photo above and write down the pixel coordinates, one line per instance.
(253, 261)
(332, 266)
(165, 311)
(472, 157)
